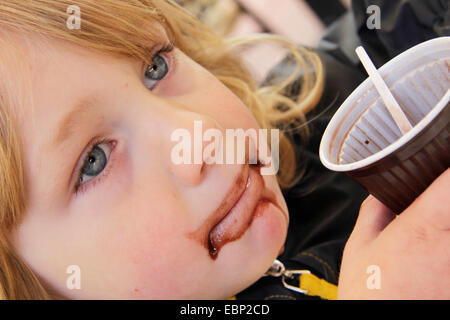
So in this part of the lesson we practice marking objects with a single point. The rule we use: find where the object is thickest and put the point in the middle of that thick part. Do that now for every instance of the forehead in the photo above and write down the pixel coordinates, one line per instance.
(47, 75)
(29, 58)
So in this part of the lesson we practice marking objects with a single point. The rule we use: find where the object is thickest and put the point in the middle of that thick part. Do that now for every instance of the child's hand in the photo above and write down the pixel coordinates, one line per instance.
(403, 257)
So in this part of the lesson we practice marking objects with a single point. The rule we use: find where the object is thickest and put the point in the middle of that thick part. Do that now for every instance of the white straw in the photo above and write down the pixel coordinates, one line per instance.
(388, 99)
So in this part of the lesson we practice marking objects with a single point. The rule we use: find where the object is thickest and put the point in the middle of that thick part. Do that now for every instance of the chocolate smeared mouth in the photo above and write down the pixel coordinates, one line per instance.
(233, 217)
(239, 217)
(231, 197)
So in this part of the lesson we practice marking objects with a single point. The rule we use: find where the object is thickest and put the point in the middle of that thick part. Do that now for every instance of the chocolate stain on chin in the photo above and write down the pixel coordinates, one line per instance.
(202, 234)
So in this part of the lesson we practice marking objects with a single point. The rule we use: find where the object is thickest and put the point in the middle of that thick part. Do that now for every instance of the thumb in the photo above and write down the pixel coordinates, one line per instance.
(373, 217)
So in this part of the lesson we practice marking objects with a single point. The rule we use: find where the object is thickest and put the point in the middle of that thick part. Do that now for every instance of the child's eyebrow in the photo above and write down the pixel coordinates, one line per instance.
(72, 120)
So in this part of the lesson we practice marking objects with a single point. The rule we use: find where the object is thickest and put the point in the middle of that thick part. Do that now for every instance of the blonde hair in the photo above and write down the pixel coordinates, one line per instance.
(118, 27)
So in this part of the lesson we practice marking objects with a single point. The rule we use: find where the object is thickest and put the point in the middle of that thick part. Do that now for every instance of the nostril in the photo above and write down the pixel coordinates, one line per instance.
(190, 174)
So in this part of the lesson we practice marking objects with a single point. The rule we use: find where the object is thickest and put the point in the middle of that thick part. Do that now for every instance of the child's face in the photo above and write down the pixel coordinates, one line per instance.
(139, 228)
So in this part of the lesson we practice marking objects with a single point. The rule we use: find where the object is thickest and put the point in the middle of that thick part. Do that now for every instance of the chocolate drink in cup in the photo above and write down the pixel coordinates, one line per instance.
(363, 141)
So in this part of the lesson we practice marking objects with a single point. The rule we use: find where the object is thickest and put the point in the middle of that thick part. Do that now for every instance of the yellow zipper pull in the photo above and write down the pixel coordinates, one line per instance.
(308, 283)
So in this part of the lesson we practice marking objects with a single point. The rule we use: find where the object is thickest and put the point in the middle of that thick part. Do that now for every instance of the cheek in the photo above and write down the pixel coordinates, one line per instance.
(156, 259)
(199, 90)
(228, 109)
(183, 77)
(269, 230)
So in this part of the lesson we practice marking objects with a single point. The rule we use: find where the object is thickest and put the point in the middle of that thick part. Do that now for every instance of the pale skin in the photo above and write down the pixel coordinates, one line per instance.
(127, 229)
(411, 250)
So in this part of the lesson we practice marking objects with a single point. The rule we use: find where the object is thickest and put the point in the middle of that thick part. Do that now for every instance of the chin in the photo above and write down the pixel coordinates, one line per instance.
(248, 258)
(270, 230)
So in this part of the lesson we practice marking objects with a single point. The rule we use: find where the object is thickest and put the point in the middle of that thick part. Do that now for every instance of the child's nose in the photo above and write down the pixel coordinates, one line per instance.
(190, 148)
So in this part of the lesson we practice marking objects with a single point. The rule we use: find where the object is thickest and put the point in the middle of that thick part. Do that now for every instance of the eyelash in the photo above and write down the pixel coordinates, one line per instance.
(166, 48)
(81, 188)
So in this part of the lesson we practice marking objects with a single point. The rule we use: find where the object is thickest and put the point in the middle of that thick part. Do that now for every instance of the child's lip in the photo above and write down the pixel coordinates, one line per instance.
(237, 220)
(247, 196)
(231, 198)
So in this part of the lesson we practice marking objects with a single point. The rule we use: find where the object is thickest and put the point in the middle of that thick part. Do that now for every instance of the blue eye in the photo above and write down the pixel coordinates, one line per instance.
(156, 72)
(94, 163)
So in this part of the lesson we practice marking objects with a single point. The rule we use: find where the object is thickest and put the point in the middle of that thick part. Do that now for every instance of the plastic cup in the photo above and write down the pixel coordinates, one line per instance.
(363, 141)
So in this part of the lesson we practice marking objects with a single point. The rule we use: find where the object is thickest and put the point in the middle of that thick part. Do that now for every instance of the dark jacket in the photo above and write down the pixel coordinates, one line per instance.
(324, 205)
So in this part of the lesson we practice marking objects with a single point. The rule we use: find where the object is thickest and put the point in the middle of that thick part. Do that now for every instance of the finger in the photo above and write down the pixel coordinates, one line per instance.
(432, 206)
(373, 217)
